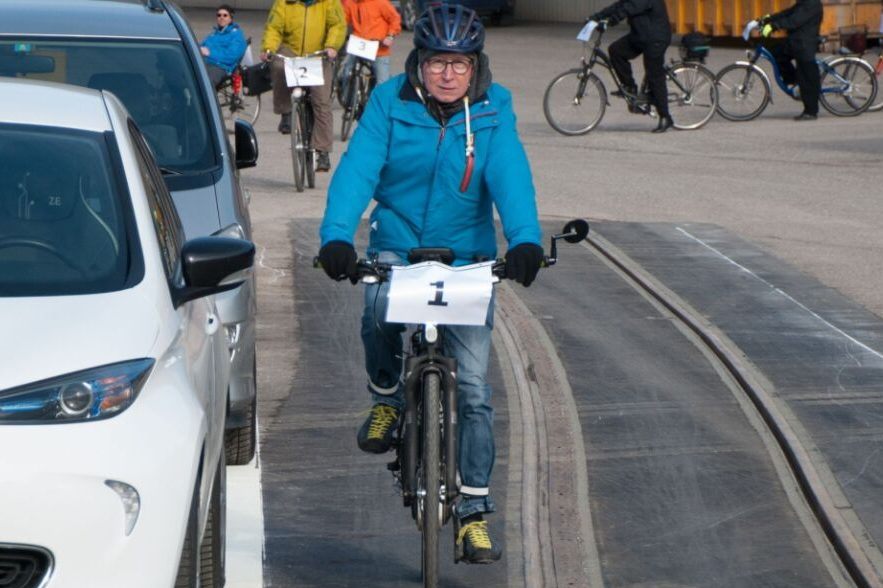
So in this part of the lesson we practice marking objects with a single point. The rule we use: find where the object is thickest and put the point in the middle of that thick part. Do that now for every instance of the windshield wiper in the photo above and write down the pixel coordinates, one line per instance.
(170, 172)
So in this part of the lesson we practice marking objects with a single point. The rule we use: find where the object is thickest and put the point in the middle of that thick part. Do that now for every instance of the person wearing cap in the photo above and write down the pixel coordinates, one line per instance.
(224, 47)
(437, 150)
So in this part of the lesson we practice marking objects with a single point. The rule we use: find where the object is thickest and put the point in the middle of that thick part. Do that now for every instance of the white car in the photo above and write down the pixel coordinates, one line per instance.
(113, 368)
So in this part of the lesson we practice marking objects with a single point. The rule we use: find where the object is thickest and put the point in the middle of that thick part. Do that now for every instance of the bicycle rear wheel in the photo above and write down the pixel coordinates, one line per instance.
(430, 478)
(849, 86)
(298, 146)
(742, 92)
(574, 102)
(692, 95)
(878, 73)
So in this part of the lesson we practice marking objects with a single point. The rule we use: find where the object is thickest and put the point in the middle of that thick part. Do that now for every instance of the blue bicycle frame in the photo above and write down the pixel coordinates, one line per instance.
(762, 51)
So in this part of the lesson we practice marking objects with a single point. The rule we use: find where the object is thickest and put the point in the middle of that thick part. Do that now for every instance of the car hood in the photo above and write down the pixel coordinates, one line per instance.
(54, 335)
(197, 207)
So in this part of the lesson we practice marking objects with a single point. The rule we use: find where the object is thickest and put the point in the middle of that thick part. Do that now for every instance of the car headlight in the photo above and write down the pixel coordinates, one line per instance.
(90, 395)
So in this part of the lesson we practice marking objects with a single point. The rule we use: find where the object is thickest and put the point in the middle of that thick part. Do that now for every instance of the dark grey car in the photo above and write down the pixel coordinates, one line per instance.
(146, 54)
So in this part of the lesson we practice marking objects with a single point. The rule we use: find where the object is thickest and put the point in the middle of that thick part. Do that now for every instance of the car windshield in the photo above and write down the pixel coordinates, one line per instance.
(154, 80)
(63, 226)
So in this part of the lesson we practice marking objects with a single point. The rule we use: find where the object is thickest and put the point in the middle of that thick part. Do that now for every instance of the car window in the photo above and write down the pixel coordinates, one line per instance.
(65, 220)
(168, 227)
(154, 80)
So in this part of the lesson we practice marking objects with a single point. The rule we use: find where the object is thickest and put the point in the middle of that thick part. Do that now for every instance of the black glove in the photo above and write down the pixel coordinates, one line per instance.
(338, 259)
(523, 262)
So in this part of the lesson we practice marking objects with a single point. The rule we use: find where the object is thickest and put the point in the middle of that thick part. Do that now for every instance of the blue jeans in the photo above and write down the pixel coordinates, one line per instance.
(470, 346)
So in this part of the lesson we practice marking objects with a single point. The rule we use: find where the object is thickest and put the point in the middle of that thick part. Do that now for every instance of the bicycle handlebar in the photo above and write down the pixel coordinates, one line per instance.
(371, 271)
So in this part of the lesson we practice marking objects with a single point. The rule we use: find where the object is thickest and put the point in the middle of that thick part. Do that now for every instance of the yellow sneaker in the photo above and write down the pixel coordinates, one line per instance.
(376, 433)
(475, 542)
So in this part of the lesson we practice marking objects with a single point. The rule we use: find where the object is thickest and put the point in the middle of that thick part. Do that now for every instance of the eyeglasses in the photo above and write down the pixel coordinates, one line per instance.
(459, 66)
(223, 15)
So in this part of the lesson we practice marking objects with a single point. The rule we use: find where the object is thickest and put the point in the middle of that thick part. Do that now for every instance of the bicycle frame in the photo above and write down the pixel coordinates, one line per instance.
(761, 52)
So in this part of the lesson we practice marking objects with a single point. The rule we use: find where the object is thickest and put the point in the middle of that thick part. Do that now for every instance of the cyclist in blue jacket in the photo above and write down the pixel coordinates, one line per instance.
(224, 47)
(436, 180)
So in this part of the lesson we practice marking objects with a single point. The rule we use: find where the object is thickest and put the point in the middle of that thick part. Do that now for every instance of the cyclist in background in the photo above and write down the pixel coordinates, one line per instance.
(224, 47)
(436, 186)
(375, 20)
(650, 35)
(802, 22)
(300, 27)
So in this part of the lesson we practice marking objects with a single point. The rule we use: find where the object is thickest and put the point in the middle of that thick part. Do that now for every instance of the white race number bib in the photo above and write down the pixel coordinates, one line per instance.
(431, 292)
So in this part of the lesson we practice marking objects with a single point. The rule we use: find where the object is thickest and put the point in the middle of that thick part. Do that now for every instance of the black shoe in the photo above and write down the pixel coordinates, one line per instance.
(323, 162)
(474, 543)
(806, 116)
(665, 123)
(375, 434)
(285, 124)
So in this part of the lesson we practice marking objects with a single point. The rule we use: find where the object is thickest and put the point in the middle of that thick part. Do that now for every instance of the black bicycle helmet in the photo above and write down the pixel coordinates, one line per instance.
(447, 28)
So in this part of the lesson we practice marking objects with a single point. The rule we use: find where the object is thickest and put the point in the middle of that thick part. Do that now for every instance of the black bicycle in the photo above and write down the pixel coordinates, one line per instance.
(575, 101)
(355, 90)
(302, 121)
(425, 466)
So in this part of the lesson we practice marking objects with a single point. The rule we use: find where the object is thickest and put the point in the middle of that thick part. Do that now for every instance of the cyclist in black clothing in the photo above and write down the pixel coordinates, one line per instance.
(802, 22)
(650, 35)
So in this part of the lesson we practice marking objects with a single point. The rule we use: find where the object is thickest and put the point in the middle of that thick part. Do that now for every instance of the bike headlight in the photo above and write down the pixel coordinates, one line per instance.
(298, 92)
(90, 395)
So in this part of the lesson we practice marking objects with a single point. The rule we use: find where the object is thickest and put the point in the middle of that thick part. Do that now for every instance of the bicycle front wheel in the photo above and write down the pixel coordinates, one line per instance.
(742, 92)
(247, 107)
(309, 152)
(849, 86)
(349, 110)
(298, 146)
(574, 102)
(692, 95)
(430, 477)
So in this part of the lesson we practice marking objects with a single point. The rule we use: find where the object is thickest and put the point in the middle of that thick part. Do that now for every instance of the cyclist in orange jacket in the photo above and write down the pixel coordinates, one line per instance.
(375, 20)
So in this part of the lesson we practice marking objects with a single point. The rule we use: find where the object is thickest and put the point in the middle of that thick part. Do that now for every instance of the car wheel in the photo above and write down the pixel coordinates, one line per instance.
(213, 549)
(188, 566)
(240, 443)
(409, 14)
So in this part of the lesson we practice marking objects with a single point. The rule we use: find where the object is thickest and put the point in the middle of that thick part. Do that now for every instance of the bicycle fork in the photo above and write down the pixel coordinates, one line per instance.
(409, 450)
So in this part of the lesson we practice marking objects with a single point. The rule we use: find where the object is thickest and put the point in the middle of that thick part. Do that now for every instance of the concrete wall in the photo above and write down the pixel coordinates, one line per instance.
(534, 10)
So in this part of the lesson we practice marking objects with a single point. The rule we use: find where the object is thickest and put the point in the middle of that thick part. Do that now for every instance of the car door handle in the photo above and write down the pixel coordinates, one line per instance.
(212, 323)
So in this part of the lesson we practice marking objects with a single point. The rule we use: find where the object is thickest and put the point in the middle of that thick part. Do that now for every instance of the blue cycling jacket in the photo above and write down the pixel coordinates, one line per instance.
(226, 47)
(403, 158)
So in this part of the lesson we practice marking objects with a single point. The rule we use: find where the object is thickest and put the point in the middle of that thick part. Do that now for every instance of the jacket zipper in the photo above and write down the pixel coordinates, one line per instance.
(303, 37)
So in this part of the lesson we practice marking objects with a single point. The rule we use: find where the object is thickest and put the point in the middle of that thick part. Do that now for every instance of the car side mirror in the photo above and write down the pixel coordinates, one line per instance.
(211, 265)
(246, 145)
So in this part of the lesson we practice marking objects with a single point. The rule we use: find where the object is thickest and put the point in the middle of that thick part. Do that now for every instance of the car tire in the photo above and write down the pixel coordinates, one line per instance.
(240, 443)
(409, 14)
(188, 565)
(212, 552)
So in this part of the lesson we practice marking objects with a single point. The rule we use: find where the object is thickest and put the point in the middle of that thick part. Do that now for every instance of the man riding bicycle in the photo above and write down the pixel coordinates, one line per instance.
(301, 27)
(802, 21)
(437, 149)
(376, 20)
(650, 35)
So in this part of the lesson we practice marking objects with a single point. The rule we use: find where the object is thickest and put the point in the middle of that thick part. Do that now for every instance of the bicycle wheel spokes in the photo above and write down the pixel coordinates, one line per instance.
(692, 96)
(298, 147)
(849, 86)
(742, 93)
(574, 102)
